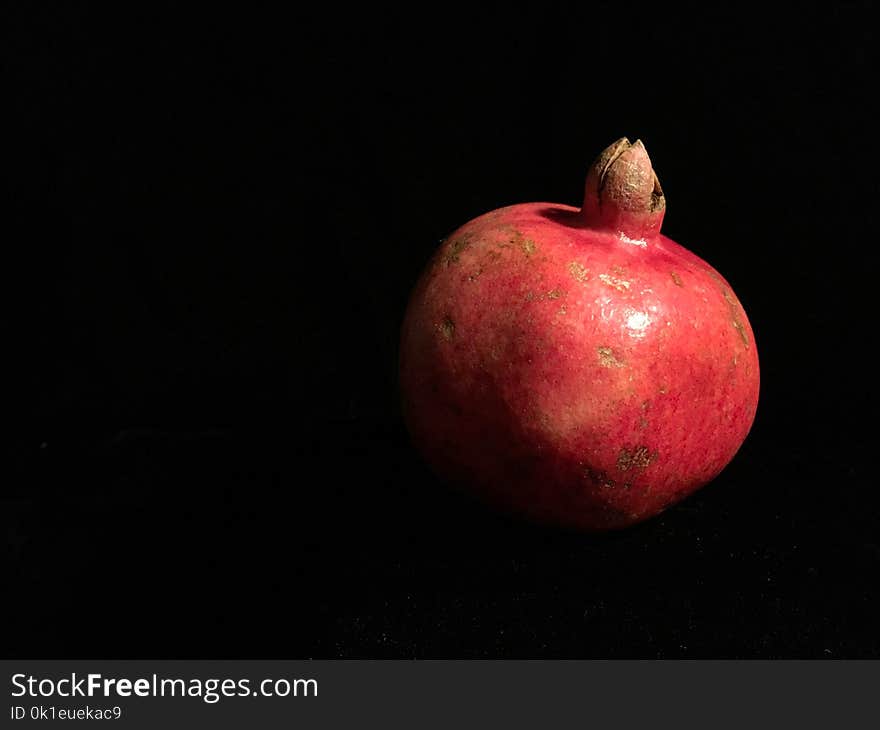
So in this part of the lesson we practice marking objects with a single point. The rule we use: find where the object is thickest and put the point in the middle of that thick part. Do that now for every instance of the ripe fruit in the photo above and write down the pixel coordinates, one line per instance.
(576, 366)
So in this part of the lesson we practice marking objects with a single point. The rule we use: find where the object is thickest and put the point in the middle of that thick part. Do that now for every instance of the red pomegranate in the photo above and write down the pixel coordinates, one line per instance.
(576, 366)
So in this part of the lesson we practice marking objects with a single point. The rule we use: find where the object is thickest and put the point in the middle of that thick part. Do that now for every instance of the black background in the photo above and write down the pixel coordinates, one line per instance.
(213, 225)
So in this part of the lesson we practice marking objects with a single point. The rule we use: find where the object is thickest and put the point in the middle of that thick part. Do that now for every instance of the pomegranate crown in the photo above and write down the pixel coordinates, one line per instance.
(622, 193)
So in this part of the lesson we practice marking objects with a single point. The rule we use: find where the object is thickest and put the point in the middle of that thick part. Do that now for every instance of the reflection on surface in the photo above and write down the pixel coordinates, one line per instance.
(637, 322)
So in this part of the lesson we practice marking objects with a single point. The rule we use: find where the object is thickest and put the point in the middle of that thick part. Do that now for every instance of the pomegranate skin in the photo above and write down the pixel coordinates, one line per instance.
(575, 366)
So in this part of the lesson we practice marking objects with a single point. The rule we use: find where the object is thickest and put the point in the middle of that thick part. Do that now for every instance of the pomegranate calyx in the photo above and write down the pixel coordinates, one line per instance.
(622, 192)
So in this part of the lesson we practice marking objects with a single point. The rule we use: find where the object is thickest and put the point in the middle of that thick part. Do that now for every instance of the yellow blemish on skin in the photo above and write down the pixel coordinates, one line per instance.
(734, 313)
(552, 294)
(447, 328)
(742, 331)
(578, 272)
(600, 478)
(613, 281)
(607, 358)
(455, 249)
(516, 238)
(639, 458)
(676, 279)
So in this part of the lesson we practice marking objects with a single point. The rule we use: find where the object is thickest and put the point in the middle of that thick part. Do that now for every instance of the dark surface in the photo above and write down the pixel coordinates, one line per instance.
(215, 223)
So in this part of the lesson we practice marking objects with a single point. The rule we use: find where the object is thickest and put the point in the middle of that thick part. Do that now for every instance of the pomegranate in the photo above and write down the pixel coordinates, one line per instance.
(576, 366)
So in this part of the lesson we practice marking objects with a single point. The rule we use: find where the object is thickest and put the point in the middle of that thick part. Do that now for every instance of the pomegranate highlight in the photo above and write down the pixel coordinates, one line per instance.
(575, 366)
